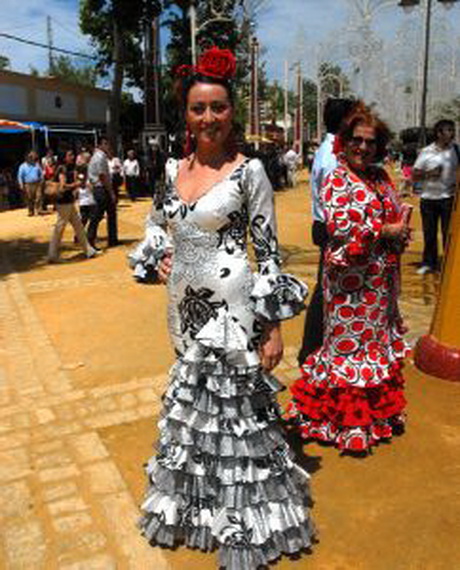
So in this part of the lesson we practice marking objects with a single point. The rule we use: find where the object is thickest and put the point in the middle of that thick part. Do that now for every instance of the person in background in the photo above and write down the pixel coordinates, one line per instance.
(48, 163)
(116, 174)
(291, 160)
(83, 158)
(4, 203)
(156, 161)
(66, 210)
(131, 173)
(101, 185)
(30, 180)
(86, 201)
(49, 156)
(436, 168)
(324, 162)
(351, 392)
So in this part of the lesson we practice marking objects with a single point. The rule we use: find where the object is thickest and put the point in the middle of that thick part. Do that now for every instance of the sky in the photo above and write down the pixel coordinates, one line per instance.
(285, 28)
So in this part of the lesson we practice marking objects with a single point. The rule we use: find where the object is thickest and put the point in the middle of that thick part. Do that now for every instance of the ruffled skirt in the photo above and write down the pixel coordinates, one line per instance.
(353, 401)
(224, 476)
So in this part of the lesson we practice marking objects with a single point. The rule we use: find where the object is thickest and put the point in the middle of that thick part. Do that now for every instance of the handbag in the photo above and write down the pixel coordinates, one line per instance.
(53, 189)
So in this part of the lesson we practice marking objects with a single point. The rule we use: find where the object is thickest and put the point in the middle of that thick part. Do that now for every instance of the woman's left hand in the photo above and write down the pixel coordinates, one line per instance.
(271, 346)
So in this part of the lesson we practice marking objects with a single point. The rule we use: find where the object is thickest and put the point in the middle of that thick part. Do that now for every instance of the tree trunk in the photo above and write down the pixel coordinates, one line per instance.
(113, 127)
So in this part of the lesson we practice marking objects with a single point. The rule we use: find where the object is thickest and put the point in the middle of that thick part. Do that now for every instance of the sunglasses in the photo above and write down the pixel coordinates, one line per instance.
(359, 141)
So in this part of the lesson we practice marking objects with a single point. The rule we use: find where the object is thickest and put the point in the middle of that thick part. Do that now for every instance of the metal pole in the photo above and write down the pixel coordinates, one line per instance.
(49, 33)
(256, 93)
(149, 95)
(156, 68)
(300, 114)
(319, 118)
(426, 57)
(192, 14)
(286, 100)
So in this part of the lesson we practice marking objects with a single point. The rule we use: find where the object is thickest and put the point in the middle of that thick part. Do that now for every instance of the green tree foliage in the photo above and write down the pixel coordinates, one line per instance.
(116, 30)
(67, 70)
(310, 104)
(4, 62)
(226, 24)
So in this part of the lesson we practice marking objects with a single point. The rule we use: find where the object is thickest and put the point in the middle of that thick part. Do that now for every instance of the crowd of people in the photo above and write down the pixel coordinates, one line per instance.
(82, 188)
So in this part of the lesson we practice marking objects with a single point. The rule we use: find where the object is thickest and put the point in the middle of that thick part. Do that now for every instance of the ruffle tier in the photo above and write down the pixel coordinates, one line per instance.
(353, 419)
(352, 401)
(224, 475)
(236, 551)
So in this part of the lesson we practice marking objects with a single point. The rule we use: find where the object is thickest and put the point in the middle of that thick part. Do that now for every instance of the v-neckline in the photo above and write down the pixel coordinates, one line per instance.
(211, 187)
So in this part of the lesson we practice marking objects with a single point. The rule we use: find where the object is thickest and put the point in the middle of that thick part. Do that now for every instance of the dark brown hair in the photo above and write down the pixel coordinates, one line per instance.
(363, 115)
(184, 85)
(441, 125)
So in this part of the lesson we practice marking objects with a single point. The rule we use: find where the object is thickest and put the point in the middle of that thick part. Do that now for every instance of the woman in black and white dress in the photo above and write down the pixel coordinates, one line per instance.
(223, 476)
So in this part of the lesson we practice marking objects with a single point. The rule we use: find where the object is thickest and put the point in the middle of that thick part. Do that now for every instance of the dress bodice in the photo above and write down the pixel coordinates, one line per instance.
(211, 280)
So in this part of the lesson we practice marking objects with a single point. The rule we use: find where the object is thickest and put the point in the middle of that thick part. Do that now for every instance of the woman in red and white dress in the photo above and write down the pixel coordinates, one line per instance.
(351, 390)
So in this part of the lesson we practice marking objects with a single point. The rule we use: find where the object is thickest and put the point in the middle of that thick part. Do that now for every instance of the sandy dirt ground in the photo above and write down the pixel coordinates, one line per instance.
(83, 363)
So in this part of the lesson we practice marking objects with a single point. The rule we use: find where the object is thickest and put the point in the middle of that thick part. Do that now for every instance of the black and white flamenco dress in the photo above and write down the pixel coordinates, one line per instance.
(223, 476)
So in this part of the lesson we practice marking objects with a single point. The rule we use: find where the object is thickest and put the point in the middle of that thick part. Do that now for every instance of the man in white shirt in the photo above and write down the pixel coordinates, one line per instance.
(101, 185)
(131, 173)
(324, 162)
(436, 168)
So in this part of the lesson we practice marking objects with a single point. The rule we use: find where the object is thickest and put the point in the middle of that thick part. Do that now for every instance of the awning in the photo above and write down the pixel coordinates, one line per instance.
(14, 127)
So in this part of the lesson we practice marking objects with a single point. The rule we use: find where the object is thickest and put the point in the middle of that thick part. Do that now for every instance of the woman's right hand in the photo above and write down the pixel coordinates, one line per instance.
(165, 267)
(398, 231)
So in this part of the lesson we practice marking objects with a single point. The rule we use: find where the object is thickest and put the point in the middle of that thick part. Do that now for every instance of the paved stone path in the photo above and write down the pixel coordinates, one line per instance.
(63, 502)
(67, 500)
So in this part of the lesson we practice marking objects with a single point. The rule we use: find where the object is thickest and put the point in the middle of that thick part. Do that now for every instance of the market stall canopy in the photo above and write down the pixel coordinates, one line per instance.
(14, 127)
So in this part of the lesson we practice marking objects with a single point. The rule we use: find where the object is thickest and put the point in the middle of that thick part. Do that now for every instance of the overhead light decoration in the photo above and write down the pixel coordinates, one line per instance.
(408, 5)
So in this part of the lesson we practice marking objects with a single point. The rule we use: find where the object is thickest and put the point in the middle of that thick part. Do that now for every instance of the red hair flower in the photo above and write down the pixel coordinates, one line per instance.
(218, 63)
(183, 70)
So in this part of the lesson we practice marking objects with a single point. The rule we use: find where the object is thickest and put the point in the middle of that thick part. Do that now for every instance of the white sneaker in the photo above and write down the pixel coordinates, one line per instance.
(424, 269)
(94, 253)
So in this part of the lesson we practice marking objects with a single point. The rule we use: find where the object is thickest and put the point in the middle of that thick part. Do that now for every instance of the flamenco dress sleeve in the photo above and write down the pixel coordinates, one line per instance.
(276, 296)
(145, 258)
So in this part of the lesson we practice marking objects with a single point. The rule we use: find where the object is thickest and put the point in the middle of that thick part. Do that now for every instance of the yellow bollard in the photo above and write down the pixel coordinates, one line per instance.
(438, 353)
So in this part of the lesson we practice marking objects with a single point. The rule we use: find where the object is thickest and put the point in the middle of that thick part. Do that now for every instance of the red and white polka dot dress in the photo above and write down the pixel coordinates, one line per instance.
(351, 389)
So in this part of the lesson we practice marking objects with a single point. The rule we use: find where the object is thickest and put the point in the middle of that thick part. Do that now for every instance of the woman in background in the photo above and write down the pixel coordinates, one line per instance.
(351, 390)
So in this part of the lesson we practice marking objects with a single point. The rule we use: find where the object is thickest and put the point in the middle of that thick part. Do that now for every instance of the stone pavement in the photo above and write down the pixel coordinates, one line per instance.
(83, 363)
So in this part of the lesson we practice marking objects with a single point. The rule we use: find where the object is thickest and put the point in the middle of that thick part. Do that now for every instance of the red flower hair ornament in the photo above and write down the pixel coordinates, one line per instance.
(338, 147)
(214, 62)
